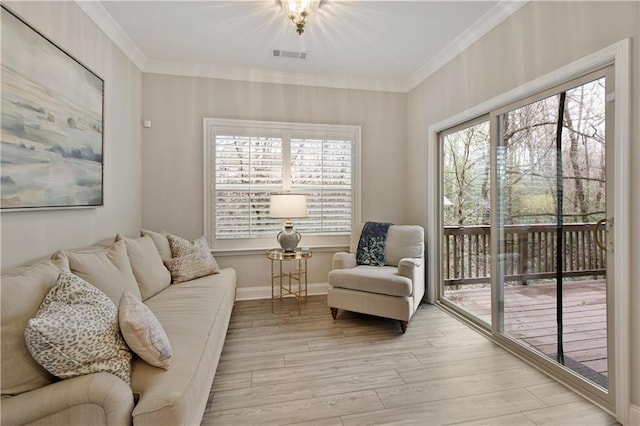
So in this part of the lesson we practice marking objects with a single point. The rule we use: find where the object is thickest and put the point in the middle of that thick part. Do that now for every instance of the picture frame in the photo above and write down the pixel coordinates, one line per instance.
(51, 124)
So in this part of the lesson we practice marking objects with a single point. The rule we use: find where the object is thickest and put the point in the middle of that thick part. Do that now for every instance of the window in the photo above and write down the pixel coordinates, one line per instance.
(246, 161)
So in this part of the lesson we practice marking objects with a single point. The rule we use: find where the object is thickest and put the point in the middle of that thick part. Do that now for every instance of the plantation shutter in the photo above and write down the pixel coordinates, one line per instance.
(248, 168)
(321, 168)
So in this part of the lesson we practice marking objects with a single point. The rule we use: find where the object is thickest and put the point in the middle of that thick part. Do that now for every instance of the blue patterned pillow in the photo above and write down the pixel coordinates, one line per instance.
(372, 244)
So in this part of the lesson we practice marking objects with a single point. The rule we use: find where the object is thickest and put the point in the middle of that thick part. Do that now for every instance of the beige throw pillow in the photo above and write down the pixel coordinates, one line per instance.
(147, 266)
(182, 247)
(190, 267)
(143, 332)
(106, 268)
(75, 331)
(190, 259)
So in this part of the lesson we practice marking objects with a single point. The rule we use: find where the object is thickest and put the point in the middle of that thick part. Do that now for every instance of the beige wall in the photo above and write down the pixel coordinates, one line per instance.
(172, 172)
(28, 235)
(539, 38)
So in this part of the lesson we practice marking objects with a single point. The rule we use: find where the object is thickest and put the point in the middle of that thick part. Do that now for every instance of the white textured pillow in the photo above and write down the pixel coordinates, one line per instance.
(143, 332)
(75, 331)
(147, 266)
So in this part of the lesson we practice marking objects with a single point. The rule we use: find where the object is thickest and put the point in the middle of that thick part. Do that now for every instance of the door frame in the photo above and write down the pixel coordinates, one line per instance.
(618, 55)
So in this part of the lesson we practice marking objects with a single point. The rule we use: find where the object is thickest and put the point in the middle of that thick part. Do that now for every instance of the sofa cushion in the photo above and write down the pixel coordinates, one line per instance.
(195, 316)
(151, 274)
(161, 242)
(23, 290)
(106, 268)
(143, 332)
(372, 279)
(75, 331)
(404, 241)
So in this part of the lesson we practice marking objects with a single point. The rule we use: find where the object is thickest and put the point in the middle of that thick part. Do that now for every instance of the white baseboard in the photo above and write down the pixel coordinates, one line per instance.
(264, 292)
(634, 415)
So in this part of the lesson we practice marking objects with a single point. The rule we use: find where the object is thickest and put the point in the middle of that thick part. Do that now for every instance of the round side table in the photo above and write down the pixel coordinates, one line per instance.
(286, 281)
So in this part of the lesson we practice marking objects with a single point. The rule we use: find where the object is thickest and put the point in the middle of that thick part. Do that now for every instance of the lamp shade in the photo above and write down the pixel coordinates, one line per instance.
(287, 205)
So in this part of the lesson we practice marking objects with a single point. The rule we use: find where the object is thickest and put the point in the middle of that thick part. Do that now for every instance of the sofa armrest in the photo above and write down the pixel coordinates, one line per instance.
(408, 265)
(99, 398)
(344, 260)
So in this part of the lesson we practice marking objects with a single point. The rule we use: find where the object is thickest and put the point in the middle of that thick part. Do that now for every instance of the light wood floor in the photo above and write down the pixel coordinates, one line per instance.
(287, 368)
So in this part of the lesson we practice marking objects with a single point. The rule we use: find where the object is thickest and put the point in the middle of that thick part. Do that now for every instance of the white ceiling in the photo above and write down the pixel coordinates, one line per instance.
(375, 45)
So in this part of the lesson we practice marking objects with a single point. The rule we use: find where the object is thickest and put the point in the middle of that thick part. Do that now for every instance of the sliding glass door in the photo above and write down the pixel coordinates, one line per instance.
(551, 201)
(525, 202)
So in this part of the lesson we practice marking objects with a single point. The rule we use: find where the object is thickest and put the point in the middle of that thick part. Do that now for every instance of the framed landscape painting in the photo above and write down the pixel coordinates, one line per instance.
(51, 133)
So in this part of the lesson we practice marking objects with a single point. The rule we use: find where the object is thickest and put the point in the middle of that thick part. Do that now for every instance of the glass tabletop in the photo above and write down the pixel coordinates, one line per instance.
(279, 254)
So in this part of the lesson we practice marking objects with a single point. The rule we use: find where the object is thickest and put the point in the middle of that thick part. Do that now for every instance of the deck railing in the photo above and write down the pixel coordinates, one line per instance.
(529, 253)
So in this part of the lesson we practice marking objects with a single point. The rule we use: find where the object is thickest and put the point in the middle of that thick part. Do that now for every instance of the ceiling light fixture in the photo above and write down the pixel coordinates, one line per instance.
(297, 11)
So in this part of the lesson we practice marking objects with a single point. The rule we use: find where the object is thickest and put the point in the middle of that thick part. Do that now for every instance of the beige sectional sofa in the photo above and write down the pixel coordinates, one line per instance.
(194, 314)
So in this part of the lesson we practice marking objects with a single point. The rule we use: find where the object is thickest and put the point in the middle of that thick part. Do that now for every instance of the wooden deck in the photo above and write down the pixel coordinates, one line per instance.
(530, 317)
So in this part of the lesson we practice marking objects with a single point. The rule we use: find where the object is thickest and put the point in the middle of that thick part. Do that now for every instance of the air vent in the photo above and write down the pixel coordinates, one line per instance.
(279, 53)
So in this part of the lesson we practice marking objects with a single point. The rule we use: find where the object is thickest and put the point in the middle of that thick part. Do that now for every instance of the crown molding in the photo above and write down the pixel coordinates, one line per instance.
(475, 32)
(277, 77)
(99, 15)
(482, 26)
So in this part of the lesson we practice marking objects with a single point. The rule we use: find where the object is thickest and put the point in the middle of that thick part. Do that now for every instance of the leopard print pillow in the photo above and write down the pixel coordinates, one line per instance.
(76, 332)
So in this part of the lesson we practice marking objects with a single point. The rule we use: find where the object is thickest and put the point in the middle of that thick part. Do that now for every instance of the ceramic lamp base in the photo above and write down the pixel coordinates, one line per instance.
(289, 238)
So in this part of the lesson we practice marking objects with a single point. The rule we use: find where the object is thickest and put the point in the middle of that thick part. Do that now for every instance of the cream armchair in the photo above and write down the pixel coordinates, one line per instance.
(391, 291)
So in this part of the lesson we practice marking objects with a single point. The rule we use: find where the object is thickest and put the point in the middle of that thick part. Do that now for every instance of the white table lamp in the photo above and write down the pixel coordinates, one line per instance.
(287, 205)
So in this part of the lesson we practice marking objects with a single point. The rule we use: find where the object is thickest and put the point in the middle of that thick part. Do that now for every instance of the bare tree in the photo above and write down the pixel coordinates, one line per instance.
(527, 166)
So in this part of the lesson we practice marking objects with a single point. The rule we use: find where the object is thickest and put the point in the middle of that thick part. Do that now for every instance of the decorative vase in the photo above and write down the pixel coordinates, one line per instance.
(289, 238)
